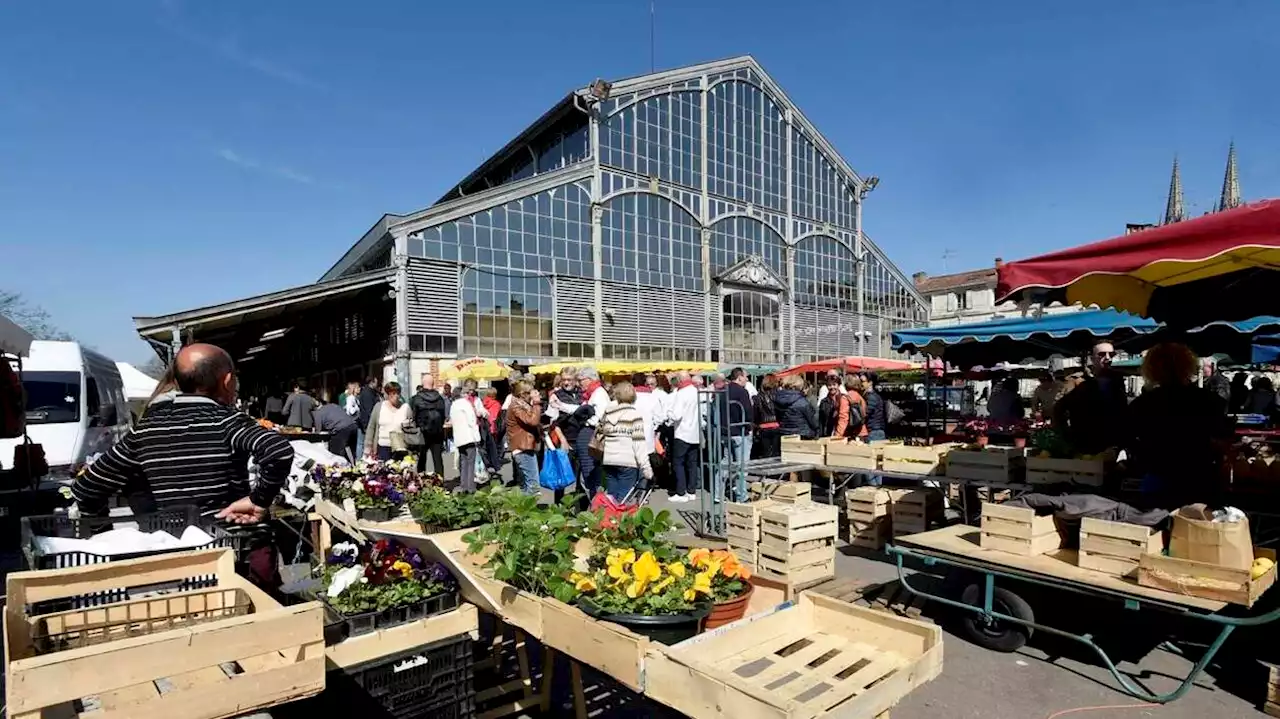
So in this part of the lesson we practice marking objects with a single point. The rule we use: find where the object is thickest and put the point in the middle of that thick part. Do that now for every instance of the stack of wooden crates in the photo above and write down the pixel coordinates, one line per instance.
(868, 522)
(792, 544)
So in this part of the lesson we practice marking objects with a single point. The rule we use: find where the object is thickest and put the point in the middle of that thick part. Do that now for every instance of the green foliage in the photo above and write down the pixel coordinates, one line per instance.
(643, 531)
(437, 508)
(533, 547)
(360, 598)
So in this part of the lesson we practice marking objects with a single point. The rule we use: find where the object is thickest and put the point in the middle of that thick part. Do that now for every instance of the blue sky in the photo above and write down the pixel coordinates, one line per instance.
(158, 155)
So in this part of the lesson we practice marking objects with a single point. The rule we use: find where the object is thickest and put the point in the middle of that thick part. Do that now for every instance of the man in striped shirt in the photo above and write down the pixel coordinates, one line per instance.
(194, 451)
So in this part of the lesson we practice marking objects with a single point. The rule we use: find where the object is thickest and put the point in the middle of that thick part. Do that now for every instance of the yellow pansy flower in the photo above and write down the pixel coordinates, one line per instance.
(403, 567)
(699, 555)
(618, 560)
(646, 568)
(583, 582)
(702, 582)
(662, 585)
(676, 569)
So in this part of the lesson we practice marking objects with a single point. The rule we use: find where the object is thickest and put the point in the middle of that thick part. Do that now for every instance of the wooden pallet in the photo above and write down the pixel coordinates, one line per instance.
(820, 657)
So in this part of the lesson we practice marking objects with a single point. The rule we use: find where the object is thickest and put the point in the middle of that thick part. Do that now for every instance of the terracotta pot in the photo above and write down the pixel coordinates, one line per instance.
(729, 611)
(982, 440)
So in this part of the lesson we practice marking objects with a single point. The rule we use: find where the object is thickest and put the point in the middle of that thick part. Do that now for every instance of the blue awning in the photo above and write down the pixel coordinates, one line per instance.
(1072, 334)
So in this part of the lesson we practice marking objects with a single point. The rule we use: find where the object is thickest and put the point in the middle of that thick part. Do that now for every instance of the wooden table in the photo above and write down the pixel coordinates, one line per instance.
(961, 542)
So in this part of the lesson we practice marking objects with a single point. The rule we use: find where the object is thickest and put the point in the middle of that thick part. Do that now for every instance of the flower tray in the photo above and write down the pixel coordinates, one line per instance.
(376, 515)
(339, 626)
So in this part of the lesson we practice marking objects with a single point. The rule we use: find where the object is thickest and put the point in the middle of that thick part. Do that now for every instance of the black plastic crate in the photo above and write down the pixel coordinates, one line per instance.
(173, 520)
(339, 626)
(430, 682)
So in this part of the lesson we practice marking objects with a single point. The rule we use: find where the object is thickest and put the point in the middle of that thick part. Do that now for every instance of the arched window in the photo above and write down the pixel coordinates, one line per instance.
(826, 274)
(506, 315)
(747, 136)
(650, 240)
(733, 239)
(660, 136)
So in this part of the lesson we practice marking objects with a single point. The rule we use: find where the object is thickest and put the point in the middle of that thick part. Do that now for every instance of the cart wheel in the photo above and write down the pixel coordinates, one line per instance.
(994, 634)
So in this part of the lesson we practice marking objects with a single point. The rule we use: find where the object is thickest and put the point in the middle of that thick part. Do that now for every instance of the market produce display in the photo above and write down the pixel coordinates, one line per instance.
(380, 576)
(373, 490)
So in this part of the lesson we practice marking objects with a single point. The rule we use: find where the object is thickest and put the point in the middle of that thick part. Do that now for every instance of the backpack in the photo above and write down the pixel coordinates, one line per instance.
(432, 418)
(856, 420)
(893, 414)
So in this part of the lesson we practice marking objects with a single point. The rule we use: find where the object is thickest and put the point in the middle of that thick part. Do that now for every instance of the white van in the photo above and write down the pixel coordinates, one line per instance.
(76, 406)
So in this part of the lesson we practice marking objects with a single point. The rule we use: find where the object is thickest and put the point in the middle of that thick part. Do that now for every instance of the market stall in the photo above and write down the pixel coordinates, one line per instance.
(626, 367)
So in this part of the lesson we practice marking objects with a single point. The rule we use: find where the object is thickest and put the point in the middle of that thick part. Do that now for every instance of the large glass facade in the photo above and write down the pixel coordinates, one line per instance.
(734, 239)
(678, 219)
(826, 274)
(506, 315)
(549, 232)
(650, 240)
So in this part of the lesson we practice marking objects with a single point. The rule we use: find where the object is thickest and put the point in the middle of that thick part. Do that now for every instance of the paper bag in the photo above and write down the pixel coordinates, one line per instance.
(1198, 538)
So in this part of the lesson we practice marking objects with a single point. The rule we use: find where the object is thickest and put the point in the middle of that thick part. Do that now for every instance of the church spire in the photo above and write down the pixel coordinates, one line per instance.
(1230, 198)
(1173, 209)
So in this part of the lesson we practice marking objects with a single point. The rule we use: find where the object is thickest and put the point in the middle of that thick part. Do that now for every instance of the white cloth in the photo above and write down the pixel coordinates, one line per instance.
(465, 415)
(648, 404)
(751, 389)
(352, 405)
(126, 540)
(663, 413)
(391, 418)
(506, 403)
(600, 400)
(686, 416)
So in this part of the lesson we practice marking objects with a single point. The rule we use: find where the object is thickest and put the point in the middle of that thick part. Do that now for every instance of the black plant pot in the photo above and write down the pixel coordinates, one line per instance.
(666, 628)
(375, 515)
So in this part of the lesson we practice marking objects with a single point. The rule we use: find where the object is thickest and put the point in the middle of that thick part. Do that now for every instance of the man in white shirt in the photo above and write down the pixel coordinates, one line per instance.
(594, 394)
(686, 417)
(647, 404)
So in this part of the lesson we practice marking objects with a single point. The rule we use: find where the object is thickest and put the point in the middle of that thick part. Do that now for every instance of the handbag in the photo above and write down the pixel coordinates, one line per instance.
(556, 471)
(412, 434)
(596, 445)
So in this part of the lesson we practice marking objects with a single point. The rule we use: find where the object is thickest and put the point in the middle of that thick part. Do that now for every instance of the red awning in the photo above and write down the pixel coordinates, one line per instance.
(1213, 268)
(853, 363)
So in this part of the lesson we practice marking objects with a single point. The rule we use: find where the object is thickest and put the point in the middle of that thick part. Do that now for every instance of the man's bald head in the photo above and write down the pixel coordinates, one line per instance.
(206, 370)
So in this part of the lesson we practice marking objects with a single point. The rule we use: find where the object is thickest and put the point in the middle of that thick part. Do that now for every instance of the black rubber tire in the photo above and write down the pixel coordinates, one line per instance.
(998, 636)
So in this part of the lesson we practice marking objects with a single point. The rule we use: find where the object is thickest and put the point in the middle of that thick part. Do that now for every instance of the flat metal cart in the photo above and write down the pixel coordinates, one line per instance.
(1002, 620)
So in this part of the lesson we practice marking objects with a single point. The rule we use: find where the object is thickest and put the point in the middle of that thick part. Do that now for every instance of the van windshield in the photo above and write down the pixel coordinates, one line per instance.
(52, 397)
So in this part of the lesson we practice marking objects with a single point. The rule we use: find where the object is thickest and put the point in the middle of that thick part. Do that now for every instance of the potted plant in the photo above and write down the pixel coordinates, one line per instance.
(730, 588)
(384, 584)
(529, 547)
(663, 601)
(373, 491)
(436, 509)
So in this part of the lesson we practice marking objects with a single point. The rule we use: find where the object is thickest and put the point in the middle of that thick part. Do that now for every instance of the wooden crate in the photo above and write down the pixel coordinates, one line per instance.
(900, 458)
(797, 542)
(819, 657)
(742, 520)
(403, 637)
(1047, 470)
(1018, 530)
(1207, 581)
(870, 535)
(915, 510)
(991, 464)
(854, 455)
(608, 647)
(275, 654)
(803, 451)
(866, 504)
(515, 607)
(1115, 547)
(782, 492)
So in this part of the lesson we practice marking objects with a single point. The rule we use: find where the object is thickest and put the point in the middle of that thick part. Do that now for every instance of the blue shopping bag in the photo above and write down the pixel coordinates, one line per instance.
(556, 472)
